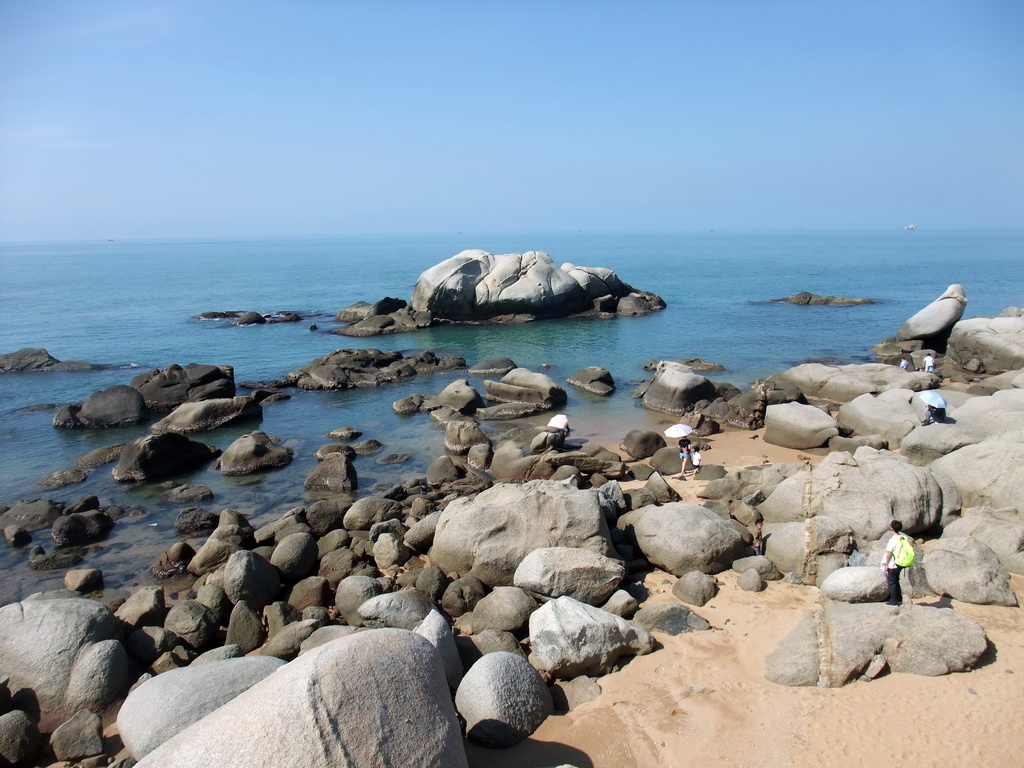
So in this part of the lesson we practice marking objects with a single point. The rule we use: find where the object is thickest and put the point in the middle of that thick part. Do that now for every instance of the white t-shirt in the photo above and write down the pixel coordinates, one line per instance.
(890, 547)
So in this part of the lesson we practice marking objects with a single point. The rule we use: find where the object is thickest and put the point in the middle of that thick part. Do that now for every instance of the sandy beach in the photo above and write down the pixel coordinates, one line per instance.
(701, 698)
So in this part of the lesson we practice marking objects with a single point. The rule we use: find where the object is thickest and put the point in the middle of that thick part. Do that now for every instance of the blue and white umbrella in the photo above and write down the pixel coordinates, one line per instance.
(932, 398)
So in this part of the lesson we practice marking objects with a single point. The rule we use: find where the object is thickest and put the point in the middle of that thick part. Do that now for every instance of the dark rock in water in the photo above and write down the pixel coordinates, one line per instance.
(173, 561)
(806, 298)
(696, 364)
(400, 321)
(354, 312)
(32, 514)
(193, 521)
(523, 386)
(251, 318)
(16, 536)
(116, 406)
(335, 473)
(63, 477)
(346, 368)
(593, 379)
(36, 359)
(367, 447)
(189, 494)
(80, 528)
(208, 414)
(38, 560)
(100, 456)
(675, 389)
(155, 456)
(254, 452)
(166, 389)
(394, 458)
(345, 433)
(496, 366)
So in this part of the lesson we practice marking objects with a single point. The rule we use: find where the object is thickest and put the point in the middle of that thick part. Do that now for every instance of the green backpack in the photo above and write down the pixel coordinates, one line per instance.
(903, 553)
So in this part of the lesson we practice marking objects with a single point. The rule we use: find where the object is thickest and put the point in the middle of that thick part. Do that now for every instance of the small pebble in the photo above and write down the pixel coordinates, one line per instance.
(972, 691)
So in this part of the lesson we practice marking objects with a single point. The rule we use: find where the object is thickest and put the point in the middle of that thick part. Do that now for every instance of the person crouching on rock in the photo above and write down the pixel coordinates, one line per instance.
(932, 415)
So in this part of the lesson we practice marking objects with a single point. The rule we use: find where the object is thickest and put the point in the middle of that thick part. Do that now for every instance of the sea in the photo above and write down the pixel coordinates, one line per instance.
(132, 305)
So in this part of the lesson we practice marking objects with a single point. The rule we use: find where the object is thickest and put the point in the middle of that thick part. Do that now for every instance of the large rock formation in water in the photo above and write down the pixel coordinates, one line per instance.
(475, 285)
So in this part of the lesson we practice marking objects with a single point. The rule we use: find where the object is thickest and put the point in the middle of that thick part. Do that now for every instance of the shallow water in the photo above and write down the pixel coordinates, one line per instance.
(133, 304)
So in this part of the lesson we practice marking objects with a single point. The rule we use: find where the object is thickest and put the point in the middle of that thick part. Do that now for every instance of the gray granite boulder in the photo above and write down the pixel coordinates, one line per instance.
(249, 577)
(675, 389)
(524, 386)
(989, 473)
(593, 379)
(838, 642)
(838, 384)
(116, 406)
(254, 452)
(488, 536)
(996, 342)
(505, 609)
(937, 319)
(1001, 530)
(38, 359)
(503, 700)
(642, 443)
(330, 707)
(404, 609)
(156, 456)
(810, 548)
(965, 569)
(32, 514)
(670, 618)
(176, 384)
(368, 510)
(587, 576)
(889, 414)
(335, 473)
(436, 629)
(208, 414)
(855, 584)
(570, 638)
(68, 651)
(866, 490)
(695, 588)
(1000, 415)
(193, 622)
(167, 704)
(793, 425)
(459, 395)
(682, 537)
(78, 738)
(19, 737)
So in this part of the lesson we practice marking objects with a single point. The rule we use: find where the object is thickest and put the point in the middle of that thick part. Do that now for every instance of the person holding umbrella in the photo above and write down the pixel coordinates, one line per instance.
(685, 447)
(935, 407)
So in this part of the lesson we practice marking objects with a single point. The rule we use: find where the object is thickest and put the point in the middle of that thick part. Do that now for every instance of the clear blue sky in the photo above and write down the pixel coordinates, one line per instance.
(130, 118)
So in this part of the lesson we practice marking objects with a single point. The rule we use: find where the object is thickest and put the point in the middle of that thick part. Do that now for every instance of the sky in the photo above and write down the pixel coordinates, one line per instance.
(140, 119)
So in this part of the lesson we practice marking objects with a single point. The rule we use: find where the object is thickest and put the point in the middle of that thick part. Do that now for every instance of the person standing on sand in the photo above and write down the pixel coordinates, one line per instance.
(929, 364)
(889, 565)
(684, 455)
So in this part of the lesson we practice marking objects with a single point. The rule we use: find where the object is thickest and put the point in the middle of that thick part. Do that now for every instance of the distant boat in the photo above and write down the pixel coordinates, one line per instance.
(911, 226)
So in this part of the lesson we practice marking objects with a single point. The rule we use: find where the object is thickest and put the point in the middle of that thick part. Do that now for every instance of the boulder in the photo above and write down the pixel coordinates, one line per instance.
(935, 321)
(459, 395)
(193, 622)
(335, 473)
(460, 435)
(669, 618)
(208, 414)
(996, 342)
(116, 406)
(1000, 415)
(682, 537)
(436, 629)
(965, 569)
(1001, 530)
(503, 700)
(329, 707)
(793, 425)
(32, 514)
(19, 737)
(838, 384)
(523, 386)
(495, 366)
(855, 584)
(889, 414)
(642, 443)
(176, 384)
(570, 638)
(254, 452)
(838, 642)
(810, 548)
(351, 593)
(80, 528)
(166, 704)
(488, 536)
(865, 491)
(369, 510)
(37, 359)
(587, 576)
(249, 577)
(695, 588)
(295, 556)
(68, 651)
(675, 389)
(597, 381)
(347, 368)
(156, 456)
(505, 609)
(404, 609)
(78, 738)
(989, 473)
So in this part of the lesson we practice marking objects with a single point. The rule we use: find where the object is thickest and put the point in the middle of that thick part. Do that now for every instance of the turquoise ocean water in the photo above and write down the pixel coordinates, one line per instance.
(131, 305)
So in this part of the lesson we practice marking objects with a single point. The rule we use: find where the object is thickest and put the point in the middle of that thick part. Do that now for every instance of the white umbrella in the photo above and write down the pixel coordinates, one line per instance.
(679, 430)
(561, 421)
(932, 398)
